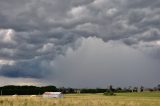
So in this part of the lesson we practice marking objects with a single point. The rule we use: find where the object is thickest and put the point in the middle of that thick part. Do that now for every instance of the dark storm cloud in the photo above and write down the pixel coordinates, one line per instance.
(45, 29)
(25, 69)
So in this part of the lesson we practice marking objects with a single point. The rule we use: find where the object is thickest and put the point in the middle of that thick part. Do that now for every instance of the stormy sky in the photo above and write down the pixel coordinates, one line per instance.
(80, 43)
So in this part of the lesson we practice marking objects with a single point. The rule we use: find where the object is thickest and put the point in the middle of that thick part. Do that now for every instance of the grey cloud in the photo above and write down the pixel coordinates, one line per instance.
(45, 29)
(142, 3)
(96, 63)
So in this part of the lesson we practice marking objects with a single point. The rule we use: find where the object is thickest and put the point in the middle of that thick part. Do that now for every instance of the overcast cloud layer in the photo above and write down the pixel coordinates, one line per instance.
(80, 43)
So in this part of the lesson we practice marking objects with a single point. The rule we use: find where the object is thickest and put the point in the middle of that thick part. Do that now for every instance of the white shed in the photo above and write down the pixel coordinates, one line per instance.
(52, 95)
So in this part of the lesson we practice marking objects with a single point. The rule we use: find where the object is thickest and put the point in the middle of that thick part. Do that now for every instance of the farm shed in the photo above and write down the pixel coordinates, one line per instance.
(53, 95)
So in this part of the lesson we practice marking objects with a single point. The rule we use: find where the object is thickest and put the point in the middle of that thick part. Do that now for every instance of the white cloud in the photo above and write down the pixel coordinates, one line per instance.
(111, 11)
(6, 35)
(4, 62)
(22, 81)
(46, 47)
(158, 42)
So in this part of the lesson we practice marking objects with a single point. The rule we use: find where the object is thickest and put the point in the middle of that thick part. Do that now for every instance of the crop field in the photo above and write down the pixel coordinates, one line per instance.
(121, 99)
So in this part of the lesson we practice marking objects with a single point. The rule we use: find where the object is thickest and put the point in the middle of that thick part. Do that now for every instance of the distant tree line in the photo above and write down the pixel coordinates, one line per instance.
(25, 90)
(99, 90)
(33, 90)
(111, 89)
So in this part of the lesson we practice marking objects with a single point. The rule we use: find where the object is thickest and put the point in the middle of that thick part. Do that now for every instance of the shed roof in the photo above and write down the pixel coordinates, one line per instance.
(52, 93)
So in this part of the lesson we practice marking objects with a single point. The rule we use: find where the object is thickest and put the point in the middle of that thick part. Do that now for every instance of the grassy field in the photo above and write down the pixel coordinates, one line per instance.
(121, 99)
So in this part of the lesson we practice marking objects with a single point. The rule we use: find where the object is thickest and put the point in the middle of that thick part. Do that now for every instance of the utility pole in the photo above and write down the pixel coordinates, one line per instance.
(1, 92)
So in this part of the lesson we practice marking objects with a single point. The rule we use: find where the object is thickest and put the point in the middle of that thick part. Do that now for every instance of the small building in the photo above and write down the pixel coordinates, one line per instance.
(52, 95)
(33, 96)
(14, 95)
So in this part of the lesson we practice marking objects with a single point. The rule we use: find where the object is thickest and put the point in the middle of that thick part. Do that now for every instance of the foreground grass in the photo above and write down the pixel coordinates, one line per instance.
(126, 99)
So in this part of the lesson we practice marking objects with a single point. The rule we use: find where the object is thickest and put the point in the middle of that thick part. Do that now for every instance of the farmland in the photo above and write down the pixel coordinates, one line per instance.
(121, 99)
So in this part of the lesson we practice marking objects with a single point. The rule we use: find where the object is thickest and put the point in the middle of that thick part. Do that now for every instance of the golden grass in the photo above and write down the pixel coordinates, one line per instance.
(80, 100)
